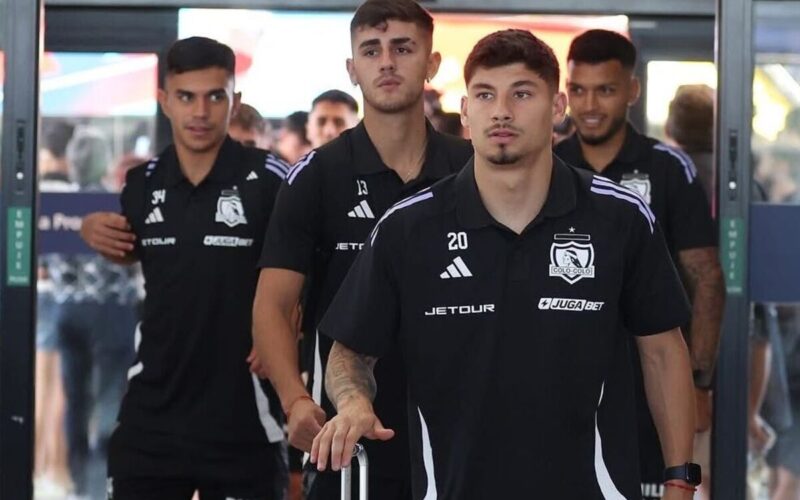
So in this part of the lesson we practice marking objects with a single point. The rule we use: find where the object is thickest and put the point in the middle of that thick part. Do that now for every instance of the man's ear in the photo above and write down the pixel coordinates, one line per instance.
(464, 112)
(559, 107)
(237, 103)
(351, 71)
(161, 96)
(434, 61)
(636, 91)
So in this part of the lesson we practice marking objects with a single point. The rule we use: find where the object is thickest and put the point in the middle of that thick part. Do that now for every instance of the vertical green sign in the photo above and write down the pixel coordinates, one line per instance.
(733, 253)
(19, 246)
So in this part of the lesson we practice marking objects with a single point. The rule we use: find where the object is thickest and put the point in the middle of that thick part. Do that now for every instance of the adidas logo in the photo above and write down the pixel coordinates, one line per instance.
(361, 211)
(252, 176)
(458, 269)
(154, 217)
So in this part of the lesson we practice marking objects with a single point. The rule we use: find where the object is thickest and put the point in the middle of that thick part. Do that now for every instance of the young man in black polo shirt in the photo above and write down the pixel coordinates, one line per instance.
(326, 208)
(601, 86)
(194, 417)
(505, 287)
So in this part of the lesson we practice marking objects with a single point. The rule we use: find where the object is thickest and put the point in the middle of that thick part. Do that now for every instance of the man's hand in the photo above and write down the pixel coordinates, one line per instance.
(702, 408)
(335, 442)
(305, 421)
(109, 234)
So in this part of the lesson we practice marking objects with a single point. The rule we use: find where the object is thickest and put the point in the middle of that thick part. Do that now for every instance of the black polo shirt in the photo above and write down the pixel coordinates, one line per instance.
(328, 205)
(190, 388)
(508, 339)
(666, 178)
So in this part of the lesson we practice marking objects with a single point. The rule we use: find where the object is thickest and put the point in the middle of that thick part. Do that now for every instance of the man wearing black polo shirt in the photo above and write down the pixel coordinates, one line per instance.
(505, 288)
(601, 86)
(326, 208)
(194, 418)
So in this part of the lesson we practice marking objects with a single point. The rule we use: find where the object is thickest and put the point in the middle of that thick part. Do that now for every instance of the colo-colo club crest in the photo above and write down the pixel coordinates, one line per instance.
(639, 184)
(230, 210)
(572, 257)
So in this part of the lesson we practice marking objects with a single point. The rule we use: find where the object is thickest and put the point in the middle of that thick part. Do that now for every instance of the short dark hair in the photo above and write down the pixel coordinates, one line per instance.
(337, 97)
(296, 124)
(374, 13)
(248, 118)
(511, 46)
(196, 53)
(599, 46)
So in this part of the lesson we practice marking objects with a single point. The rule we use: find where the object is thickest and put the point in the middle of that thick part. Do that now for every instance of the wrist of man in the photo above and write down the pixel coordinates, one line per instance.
(353, 400)
(292, 400)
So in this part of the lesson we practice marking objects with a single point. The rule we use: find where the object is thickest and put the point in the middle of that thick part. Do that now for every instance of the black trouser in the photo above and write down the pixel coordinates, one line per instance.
(327, 486)
(164, 488)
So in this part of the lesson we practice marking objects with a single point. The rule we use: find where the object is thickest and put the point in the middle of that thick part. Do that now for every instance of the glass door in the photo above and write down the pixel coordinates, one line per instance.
(774, 372)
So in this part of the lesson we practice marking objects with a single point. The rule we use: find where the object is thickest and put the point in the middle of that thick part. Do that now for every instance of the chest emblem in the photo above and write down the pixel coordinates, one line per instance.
(572, 257)
(230, 210)
(639, 184)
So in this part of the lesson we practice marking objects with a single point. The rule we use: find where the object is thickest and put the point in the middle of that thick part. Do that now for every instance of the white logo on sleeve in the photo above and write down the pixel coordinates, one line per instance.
(230, 210)
(252, 176)
(458, 269)
(361, 211)
(573, 259)
(154, 217)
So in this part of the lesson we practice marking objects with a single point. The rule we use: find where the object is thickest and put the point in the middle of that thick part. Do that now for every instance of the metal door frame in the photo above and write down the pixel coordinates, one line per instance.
(18, 295)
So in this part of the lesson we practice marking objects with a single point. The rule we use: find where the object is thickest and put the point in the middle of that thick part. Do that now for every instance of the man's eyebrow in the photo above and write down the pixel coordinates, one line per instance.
(401, 41)
(369, 43)
(482, 86)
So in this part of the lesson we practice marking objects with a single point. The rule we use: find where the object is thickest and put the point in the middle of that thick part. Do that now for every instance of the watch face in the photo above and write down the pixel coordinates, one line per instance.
(693, 473)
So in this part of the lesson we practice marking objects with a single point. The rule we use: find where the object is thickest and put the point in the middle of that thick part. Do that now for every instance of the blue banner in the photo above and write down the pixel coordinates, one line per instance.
(60, 216)
(774, 251)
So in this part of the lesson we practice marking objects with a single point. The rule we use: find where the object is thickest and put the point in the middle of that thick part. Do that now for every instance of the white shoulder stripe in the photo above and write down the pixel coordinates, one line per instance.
(604, 187)
(276, 166)
(299, 166)
(685, 160)
(604, 182)
(423, 195)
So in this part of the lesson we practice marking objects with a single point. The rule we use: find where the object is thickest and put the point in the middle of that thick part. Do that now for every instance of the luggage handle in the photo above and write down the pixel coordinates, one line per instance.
(347, 474)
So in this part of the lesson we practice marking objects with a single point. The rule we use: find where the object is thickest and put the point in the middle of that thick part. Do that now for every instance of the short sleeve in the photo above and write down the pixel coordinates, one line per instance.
(689, 213)
(296, 219)
(364, 315)
(653, 298)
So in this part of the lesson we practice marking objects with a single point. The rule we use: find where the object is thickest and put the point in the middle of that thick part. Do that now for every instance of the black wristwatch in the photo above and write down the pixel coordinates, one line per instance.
(688, 472)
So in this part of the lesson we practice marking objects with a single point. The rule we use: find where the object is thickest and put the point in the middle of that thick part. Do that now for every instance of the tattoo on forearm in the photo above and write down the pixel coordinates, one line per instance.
(349, 374)
(705, 284)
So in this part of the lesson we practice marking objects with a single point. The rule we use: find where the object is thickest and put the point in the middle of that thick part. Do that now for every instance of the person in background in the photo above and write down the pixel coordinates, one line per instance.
(194, 417)
(690, 126)
(95, 323)
(51, 474)
(293, 143)
(602, 86)
(332, 112)
(250, 128)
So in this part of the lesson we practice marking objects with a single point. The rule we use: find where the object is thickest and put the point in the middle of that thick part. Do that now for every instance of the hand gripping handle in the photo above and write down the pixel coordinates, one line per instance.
(347, 472)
